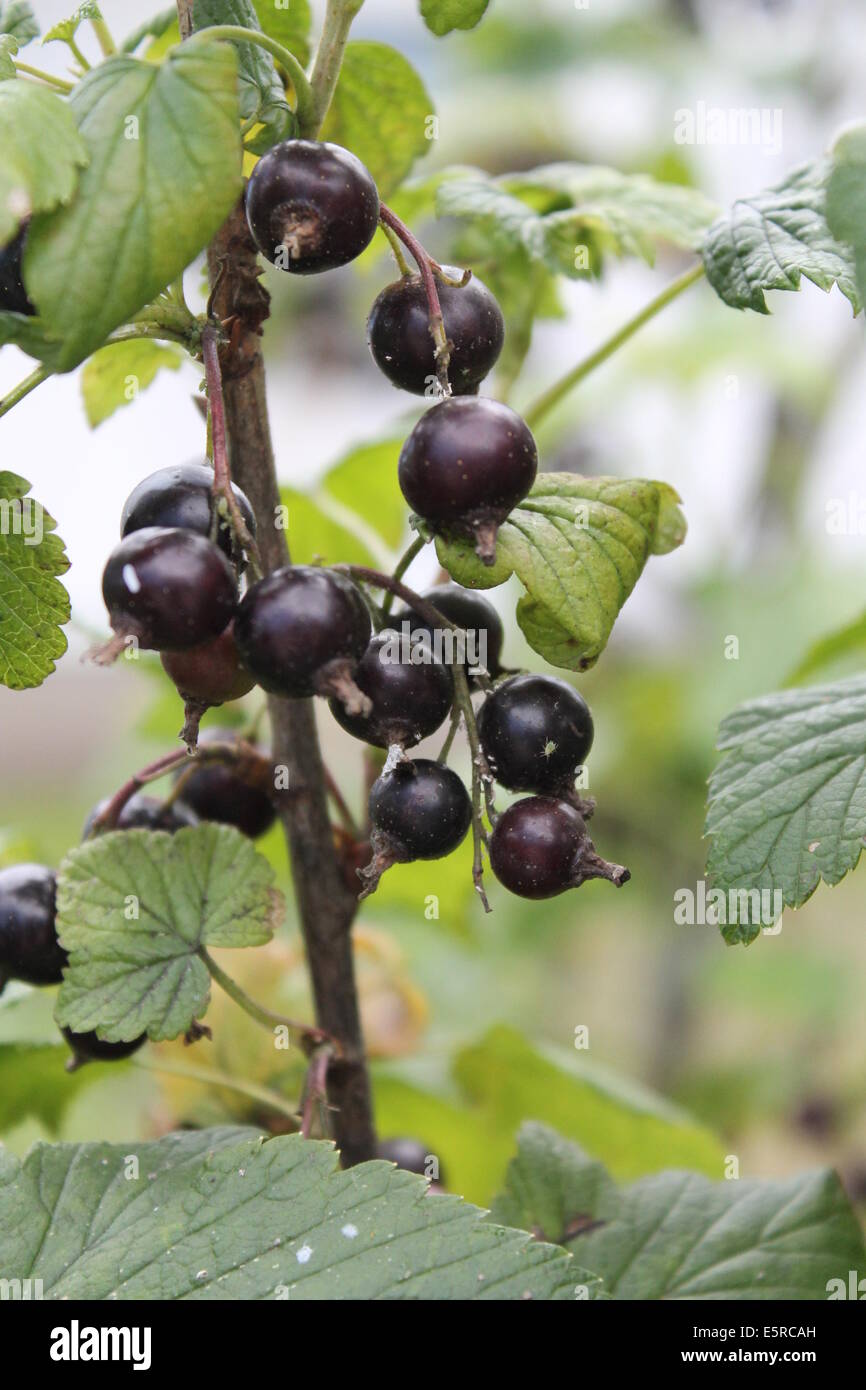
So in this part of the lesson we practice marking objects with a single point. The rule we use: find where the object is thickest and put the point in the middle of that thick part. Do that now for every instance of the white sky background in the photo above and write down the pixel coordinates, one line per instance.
(704, 444)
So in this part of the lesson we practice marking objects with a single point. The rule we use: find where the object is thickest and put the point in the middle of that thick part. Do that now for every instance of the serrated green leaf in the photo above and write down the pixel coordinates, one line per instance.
(679, 1236)
(289, 25)
(846, 197)
(846, 641)
(18, 19)
(787, 801)
(218, 1214)
(262, 95)
(165, 170)
(66, 29)
(579, 546)
(443, 16)
(380, 112)
(8, 49)
(131, 974)
(41, 152)
(770, 241)
(33, 603)
(115, 374)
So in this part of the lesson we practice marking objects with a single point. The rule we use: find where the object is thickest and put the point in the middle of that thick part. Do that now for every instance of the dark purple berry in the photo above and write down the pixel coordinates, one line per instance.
(301, 631)
(182, 496)
(237, 792)
(205, 676)
(13, 296)
(144, 813)
(88, 1047)
(419, 810)
(536, 731)
(408, 700)
(473, 614)
(398, 332)
(466, 464)
(170, 589)
(539, 848)
(29, 949)
(311, 206)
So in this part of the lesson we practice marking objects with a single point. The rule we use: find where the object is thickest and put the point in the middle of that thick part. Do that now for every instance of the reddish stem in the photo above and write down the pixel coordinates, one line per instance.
(427, 267)
(213, 752)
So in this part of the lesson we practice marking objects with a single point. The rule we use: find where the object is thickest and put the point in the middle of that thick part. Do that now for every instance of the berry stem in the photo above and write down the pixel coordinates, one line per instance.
(24, 388)
(266, 1017)
(427, 268)
(236, 33)
(396, 246)
(402, 565)
(339, 16)
(316, 1089)
(59, 82)
(550, 398)
(103, 36)
(210, 1076)
(222, 477)
(211, 752)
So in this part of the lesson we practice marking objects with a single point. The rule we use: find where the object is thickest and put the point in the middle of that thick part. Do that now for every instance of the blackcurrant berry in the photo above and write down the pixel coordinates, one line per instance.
(238, 793)
(301, 631)
(168, 588)
(13, 296)
(144, 813)
(408, 1154)
(311, 206)
(419, 810)
(536, 731)
(29, 949)
(205, 676)
(88, 1047)
(539, 847)
(398, 332)
(473, 614)
(465, 465)
(408, 701)
(182, 496)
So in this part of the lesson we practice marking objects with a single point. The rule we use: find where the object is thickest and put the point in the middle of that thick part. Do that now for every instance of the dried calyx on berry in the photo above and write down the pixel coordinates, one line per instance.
(238, 791)
(209, 675)
(169, 589)
(302, 631)
(29, 949)
(182, 496)
(418, 810)
(540, 847)
(142, 812)
(465, 466)
(536, 732)
(311, 206)
(473, 615)
(410, 693)
(398, 333)
(13, 296)
(89, 1047)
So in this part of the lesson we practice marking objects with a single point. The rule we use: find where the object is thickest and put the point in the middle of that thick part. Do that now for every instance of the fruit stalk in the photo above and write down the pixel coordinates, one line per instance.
(427, 269)
(339, 16)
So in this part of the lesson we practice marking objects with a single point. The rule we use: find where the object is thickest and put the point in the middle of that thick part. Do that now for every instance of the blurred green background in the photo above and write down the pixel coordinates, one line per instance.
(758, 423)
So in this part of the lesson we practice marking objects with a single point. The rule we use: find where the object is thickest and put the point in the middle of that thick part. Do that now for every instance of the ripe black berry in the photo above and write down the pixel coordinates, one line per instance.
(419, 810)
(465, 465)
(536, 731)
(29, 949)
(238, 793)
(88, 1047)
(470, 612)
(408, 701)
(182, 496)
(169, 588)
(398, 332)
(13, 295)
(144, 813)
(301, 631)
(205, 676)
(311, 206)
(539, 847)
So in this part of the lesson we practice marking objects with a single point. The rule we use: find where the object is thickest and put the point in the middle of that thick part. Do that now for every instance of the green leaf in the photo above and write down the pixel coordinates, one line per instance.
(34, 1082)
(152, 28)
(129, 974)
(8, 48)
(846, 197)
(678, 1236)
(18, 19)
(33, 603)
(66, 29)
(262, 95)
(787, 801)
(164, 173)
(29, 332)
(356, 514)
(41, 153)
(770, 241)
(289, 25)
(320, 533)
(218, 1214)
(849, 640)
(579, 546)
(443, 16)
(365, 480)
(380, 112)
(115, 375)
